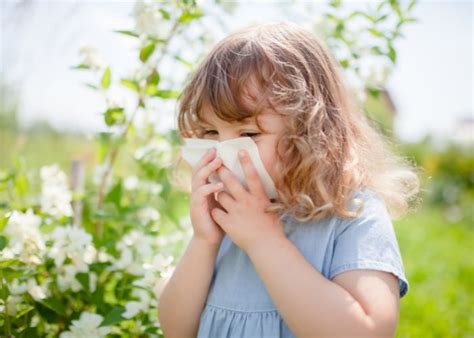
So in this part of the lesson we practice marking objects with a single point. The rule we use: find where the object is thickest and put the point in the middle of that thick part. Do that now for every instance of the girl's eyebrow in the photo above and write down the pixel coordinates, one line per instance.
(247, 119)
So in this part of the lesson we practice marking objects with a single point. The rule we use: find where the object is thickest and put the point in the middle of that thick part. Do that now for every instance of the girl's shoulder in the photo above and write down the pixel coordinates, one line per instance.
(365, 201)
(370, 208)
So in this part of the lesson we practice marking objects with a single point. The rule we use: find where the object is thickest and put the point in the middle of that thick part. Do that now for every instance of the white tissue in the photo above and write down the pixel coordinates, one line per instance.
(194, 149)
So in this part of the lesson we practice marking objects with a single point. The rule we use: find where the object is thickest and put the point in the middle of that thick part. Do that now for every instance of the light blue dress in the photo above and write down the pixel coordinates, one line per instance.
(238, 305)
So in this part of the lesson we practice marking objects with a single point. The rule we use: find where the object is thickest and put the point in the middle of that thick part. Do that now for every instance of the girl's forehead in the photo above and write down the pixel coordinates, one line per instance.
(211, 118)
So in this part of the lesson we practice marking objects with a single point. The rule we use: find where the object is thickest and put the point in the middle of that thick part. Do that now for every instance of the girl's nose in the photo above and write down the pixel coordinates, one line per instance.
(225, 137)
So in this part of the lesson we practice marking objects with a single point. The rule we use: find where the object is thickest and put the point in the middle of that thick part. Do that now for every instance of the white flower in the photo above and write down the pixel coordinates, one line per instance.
(17, 288)
(11, 304)
(55, 193)
(25, 239)
(153, 187)
(161, 282)
(115, 100)
(375, 70)
(103, 256)
(74, 243)
(135, 248)
(148, 214)
(92, 281)
(36, 291)
(323, 26)
(132, 308)
(143, 71)
(158, 151)
(92, 57)
(161, 263)
(88, 325)
(149, 20)
(131, 183)
(66, 278)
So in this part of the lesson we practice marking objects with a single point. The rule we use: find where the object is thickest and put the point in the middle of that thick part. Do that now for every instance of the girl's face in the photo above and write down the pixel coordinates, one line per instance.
(266, 141)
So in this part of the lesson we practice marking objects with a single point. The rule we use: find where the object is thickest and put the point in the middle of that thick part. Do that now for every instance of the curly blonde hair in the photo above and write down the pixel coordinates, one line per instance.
(329, 149)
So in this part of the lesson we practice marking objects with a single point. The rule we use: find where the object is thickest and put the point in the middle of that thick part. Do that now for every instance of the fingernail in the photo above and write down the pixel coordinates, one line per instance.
(242, 153)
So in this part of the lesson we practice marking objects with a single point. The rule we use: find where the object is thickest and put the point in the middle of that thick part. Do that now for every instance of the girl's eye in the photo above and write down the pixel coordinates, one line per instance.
(251, 134)
(207, 132)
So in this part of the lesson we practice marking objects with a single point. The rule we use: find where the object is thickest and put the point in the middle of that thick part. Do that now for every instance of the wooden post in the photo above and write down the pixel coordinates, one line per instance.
(77, 187)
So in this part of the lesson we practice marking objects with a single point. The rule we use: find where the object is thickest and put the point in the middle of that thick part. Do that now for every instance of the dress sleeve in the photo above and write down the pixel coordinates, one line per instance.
(368, 241)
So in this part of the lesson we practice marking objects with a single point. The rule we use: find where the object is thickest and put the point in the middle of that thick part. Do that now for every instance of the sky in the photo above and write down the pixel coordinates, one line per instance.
(431, 85)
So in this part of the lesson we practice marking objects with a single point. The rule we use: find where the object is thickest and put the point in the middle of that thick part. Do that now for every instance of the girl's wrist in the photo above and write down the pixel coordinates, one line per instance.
(205, 243)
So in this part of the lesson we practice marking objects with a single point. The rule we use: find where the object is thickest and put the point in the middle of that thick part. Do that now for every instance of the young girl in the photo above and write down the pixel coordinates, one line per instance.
(322, 258)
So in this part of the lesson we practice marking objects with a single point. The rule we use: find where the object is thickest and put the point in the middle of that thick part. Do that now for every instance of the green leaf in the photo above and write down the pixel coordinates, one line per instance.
(392, 54)
(130, 84)
(114, 316)
(165, 14)
(125, 32)
(381, 18)
(183, 61)
(114, 116)
(81, 66)
(374, 92)
(380, 5)
(24, 312)
(53, 304)
(98, 298)
(188, 16)
(4, 291)
(151, 90)
(153, 78)
(396, 7)
(167, 93)
(363, 14)
(105, 82)
(3, 242)
(344, 63)
(410, 20)
(375, 32)
(115, 195)
(152, 330)
(83, 278)
(146, 51)
(21, 184)
(92, 86)
(49, 315)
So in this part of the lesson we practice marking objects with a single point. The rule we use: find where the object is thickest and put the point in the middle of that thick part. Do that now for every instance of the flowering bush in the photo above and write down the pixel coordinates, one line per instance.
(90, 259)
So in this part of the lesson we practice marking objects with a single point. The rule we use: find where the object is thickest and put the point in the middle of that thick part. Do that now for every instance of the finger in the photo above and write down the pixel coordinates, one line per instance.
(208, 156)
(232, 183)
(219, 217)
(210, 188)
(253, 179)
(225, 200)
(201, 176)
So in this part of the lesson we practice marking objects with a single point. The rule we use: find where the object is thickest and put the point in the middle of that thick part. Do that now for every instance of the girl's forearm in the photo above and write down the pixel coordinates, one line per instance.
(183, 297)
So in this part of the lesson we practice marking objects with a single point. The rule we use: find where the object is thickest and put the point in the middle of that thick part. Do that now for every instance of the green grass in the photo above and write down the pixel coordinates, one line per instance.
(438, 261)
(41, 149)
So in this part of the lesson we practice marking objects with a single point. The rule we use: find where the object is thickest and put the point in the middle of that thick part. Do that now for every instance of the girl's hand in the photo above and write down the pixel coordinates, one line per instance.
(244, 218)
(202, 199)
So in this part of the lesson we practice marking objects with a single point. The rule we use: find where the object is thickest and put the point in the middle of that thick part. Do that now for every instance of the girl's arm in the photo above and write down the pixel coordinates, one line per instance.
(314, 306)
(183, 297)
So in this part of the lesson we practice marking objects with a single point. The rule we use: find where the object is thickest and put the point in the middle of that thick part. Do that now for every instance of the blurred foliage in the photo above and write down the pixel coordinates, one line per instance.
(448, 176)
